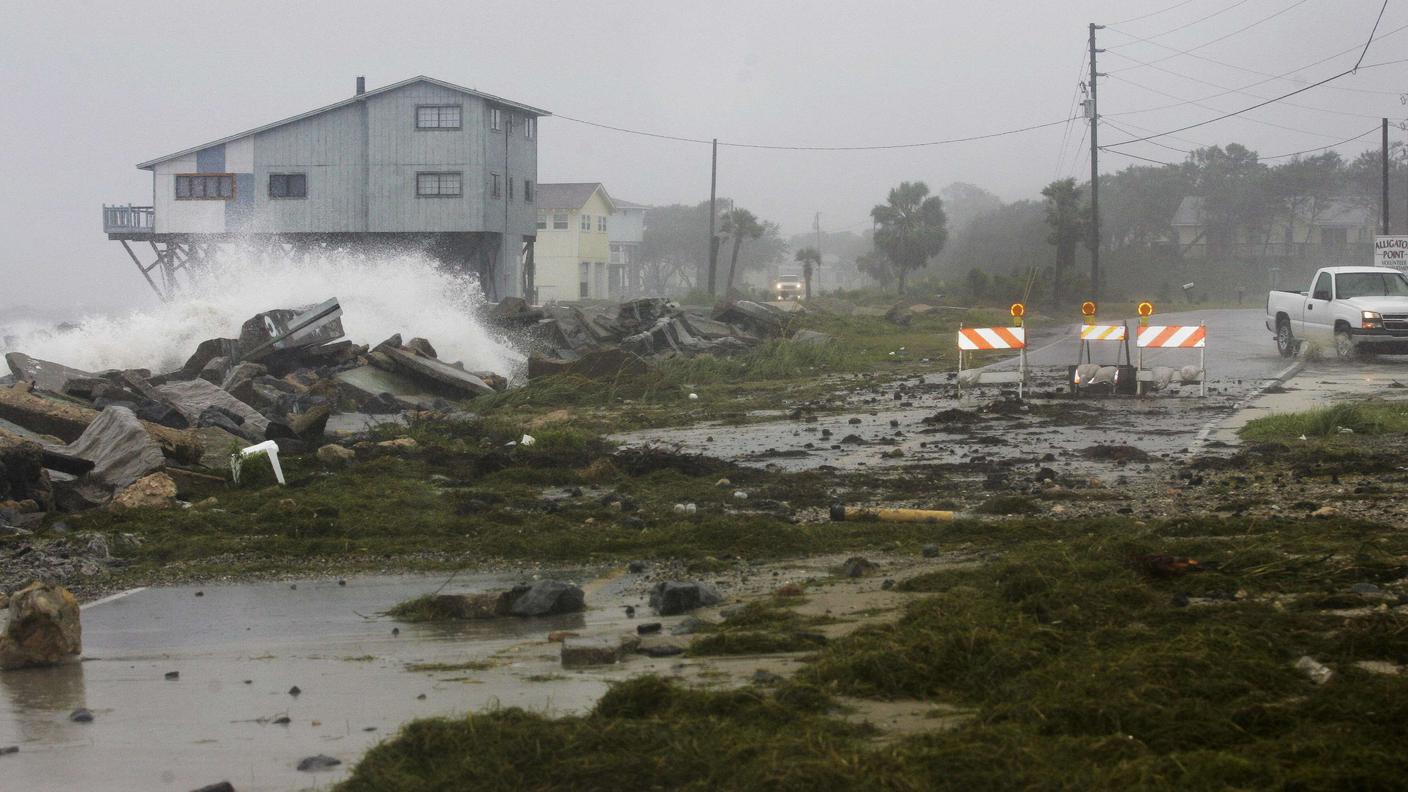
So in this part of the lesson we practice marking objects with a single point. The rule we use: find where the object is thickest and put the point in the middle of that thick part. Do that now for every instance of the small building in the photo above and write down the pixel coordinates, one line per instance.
(626, 231)
(421, 163)
(1329, 231)
(573, 243)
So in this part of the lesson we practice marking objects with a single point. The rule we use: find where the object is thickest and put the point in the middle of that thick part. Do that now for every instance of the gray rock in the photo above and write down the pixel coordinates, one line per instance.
(636, 567)
(222, 786)
(547, 598)
(121, 450)
(193, 397)
(857, 566)
(648, 628)
(669, 598)
(930, 551)
(579, 652)
(312, 764)
(812, 338)
(1364, 588)
(46, 376)
(81, 715)
(9, 749)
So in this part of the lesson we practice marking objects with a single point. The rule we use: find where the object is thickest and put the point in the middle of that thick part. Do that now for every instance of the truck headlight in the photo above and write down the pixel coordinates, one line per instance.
(1371, 320)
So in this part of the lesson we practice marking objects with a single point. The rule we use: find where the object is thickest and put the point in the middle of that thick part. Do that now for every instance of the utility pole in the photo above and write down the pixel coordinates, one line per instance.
(816, 223)
(713, 214)
(1385, 158)
(1094, 171)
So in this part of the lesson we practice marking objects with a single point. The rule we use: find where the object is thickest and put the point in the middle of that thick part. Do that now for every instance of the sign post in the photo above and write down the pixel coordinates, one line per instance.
(1391, 252)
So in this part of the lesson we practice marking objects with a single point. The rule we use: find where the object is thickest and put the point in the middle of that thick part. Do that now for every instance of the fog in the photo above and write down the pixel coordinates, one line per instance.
(90, 89)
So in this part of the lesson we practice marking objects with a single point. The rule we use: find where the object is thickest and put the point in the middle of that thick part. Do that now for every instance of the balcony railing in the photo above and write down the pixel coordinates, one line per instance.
(128, 219)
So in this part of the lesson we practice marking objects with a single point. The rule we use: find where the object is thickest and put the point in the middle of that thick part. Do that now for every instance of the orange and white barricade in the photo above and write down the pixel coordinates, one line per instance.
(1173, 337)
(986, 339)
(1092, 333)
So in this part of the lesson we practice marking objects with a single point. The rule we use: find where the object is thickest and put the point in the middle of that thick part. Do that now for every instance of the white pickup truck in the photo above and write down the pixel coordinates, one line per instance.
(1349, 309)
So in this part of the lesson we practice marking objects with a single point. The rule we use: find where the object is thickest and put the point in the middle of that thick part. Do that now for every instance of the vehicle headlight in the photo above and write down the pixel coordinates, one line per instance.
(1371, 319)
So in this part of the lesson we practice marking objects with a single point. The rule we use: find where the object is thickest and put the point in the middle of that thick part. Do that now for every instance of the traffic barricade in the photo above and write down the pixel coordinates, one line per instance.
(985, 339)
(1173, 337)
(1090, 333)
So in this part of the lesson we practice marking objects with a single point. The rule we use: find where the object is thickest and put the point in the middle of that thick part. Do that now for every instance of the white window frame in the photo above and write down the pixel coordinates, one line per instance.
(440, 181)
(496, 185)
(585, 223)
(561, 221)
(440, 120)
(601, 223)
(530, 127)
(496, 119)
(203, 183)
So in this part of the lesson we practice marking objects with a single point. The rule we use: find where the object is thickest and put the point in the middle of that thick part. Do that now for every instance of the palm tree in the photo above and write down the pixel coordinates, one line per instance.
(1070, 224)
(739, 224)
(910, 227)
(808, 256)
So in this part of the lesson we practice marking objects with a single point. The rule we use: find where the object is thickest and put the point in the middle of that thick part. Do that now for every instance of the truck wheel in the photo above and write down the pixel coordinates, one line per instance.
(1344, 345)
(1286, 343)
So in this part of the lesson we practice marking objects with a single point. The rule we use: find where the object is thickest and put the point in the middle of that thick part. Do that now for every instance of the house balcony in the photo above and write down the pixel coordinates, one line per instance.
(129, 221)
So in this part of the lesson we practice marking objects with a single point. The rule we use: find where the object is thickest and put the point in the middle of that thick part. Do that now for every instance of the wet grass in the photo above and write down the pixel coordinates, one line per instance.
(760, 627)
(425, 608)
(1077, 651)
(1361, 418)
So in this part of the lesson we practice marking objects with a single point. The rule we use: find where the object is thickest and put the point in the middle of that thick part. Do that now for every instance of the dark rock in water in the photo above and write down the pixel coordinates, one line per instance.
(648, 628)
(294, 691)
(1364, 588)
(669, 598)
(887, 584)
(636, 567)
(173, 674)
(222, 786)
(81, 715)
(547, 598)
(630, 611)
(689, 626)
(9, 749)
(282, 720)
(312, 764)
(857, 566)
(930, 551)
(662, 650)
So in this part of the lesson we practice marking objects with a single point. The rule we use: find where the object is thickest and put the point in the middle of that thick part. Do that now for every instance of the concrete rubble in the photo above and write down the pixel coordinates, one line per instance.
(605, 341)
(43, 628)
(72, 439)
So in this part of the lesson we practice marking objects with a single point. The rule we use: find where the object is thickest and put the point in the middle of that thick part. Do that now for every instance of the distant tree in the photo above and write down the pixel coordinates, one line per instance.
(1232, 184)
(911, 228)
(964, 203)
(1070, 225)
(740, 224)
(674, 248)
(809, 257)
(877, 266)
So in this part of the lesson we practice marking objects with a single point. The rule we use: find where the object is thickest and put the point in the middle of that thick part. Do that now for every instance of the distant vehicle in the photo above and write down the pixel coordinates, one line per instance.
(1357, 309)
(788, 287)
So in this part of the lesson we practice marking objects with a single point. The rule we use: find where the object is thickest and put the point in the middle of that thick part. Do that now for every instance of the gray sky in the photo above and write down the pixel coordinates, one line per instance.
(90, 89)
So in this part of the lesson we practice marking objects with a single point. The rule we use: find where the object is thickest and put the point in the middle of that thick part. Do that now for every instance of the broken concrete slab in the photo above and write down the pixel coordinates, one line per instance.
(121, 451)
(194, 397)
(580, 652)
(22, 474)
(369, 382)
(45, 375)
(66, 421)
(438, 375)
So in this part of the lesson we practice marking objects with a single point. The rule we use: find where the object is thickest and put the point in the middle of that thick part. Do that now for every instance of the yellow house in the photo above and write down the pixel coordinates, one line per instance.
(572, 248)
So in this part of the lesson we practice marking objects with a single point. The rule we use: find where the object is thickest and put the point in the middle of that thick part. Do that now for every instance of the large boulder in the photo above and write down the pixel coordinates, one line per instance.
(45, 375)
(157, 491)
(194, 397)
(43, 628)
(672, 597)
(547, 598)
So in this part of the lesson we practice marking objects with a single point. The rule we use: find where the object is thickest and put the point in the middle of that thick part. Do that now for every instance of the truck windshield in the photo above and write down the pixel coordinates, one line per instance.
(1371, 284)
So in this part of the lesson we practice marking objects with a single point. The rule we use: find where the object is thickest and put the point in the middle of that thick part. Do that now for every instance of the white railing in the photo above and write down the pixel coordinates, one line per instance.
(128, 219)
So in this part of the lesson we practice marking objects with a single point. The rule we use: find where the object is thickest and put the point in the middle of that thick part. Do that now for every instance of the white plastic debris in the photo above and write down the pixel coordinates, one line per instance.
(269, 448)
(528, 440)
(694, 397)
(1318, 672)
(740, 495)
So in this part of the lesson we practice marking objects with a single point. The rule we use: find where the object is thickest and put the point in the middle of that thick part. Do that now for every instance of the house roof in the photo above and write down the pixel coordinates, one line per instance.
(345, 102)
(1327, 212)
(570, 195)
(621, 204)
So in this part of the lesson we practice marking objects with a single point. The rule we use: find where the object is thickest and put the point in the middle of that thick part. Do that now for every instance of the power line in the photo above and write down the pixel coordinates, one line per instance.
(1194, 22)
(1225, 91)
(1225, 36)
(1136, 156)
(1151, 142)
(1071, 111)
(1197, 103)
(1152, 13)
(1371, 41)
(947, 141)
(1284, 76)
(1322, 148)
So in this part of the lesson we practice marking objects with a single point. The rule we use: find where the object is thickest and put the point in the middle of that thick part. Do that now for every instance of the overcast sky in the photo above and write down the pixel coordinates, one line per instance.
(90, 89)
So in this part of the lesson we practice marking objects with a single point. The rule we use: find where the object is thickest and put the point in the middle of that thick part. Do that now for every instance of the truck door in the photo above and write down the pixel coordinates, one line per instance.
(1317, 320)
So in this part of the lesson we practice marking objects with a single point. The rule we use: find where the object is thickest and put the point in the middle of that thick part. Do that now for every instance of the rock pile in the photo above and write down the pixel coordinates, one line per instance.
(604, 341)
(73, 439)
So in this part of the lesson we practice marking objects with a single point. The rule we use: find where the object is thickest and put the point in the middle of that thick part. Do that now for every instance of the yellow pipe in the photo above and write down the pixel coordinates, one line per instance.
(841, 513)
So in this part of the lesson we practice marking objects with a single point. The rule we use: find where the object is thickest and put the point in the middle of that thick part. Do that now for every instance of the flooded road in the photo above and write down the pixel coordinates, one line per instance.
(925, 420)
(239, 649)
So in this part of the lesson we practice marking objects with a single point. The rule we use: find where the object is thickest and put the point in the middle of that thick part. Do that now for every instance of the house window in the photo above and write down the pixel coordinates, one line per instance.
(559, 221)
(496, 185)
(288, 185)
(601, 223)
(437, 117)
(510, 189)
(528, 191)
(438, 185)
(496, 119)
(586, 223)
(205, 186)
(542, 220)
(584, 280)
(530, 127)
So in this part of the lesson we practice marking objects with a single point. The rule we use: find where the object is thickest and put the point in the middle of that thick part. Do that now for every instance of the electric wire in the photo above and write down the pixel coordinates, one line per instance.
(1196, 21)
(1153, 13)
(1223, 37)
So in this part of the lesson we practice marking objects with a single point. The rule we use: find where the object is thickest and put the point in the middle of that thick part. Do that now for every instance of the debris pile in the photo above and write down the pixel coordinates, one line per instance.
(73, 439)
(604, 341)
